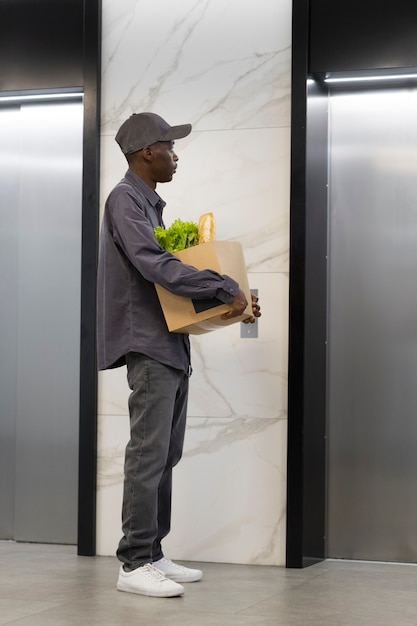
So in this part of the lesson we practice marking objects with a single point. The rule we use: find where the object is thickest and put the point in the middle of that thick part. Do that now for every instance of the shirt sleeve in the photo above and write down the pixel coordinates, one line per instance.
(133, 233)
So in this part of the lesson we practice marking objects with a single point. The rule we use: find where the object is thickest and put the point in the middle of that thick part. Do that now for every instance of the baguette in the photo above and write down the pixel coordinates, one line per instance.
(206, 228)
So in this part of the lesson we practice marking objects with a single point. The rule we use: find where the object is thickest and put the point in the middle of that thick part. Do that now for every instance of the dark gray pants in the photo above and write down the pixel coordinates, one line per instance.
(157, 407)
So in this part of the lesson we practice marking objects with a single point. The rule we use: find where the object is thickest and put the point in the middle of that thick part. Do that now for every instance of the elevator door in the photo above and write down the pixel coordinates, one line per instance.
(40, 252)
(372, 419)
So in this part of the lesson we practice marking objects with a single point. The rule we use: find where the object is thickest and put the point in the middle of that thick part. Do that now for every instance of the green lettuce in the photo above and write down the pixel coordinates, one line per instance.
(178, 236)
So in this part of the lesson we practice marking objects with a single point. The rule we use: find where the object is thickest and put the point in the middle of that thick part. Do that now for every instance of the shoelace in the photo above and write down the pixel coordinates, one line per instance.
(171, 564)
(153, 573)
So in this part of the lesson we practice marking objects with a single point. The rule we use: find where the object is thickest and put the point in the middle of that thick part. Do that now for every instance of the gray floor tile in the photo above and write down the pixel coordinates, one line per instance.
(51, 586)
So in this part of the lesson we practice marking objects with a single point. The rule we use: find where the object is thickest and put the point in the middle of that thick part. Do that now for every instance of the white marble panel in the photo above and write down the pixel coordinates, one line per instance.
(113, 392)
(112, 437)
(245, 377)
(220, 64)
(224, 66)
(242, 176)
(229, 490)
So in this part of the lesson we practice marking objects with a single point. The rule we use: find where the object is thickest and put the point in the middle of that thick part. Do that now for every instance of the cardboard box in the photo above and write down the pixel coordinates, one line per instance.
(196, 317)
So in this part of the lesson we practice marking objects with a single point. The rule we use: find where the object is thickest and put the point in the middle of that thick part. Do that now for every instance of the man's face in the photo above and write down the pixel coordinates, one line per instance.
(164, 161)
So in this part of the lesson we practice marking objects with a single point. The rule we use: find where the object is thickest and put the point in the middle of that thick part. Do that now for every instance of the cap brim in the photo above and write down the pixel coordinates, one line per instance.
(177, 132)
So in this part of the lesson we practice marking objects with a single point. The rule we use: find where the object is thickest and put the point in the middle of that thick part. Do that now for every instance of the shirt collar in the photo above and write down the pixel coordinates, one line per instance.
(150, 194)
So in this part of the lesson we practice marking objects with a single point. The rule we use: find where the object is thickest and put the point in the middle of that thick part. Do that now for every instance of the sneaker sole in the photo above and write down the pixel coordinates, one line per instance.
(180, 579)
(153, 594)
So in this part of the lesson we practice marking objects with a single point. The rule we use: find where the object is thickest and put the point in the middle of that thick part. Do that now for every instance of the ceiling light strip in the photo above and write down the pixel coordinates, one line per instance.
(357, 79)
(38, 97)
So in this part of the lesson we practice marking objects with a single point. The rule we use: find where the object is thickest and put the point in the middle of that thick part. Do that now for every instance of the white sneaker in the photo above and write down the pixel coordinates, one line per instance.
(177, 572)
(148, 581)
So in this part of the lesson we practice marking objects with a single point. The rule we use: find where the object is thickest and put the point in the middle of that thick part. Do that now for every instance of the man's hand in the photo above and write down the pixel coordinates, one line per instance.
(256, 310)
(237, 307)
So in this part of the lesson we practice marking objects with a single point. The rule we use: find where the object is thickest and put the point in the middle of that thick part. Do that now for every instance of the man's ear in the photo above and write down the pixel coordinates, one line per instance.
(147, 153)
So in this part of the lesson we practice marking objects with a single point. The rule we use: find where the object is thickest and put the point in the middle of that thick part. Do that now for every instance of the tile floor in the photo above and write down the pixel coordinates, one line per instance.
(44, 585)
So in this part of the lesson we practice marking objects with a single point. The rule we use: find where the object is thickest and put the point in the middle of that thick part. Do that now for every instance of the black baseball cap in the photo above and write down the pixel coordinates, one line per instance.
(144, 129)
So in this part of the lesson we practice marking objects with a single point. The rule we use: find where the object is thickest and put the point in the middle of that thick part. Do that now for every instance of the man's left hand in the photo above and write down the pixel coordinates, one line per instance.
(256, 310)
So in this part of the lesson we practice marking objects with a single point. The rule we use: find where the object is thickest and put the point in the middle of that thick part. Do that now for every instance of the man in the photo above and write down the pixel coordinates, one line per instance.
(132, 331)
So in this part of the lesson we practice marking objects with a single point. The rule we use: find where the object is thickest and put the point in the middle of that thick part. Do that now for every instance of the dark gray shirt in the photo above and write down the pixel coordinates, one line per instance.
(130, 318)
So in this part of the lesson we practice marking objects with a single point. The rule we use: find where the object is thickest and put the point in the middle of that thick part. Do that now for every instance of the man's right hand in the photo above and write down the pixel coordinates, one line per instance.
(237, 307)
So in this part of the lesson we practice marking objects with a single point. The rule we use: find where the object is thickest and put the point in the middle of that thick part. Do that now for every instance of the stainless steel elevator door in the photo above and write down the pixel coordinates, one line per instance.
(372, 384)
(40, 252)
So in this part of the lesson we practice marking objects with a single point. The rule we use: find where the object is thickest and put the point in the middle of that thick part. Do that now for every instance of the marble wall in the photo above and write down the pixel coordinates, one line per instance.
(224, 66)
